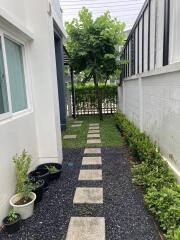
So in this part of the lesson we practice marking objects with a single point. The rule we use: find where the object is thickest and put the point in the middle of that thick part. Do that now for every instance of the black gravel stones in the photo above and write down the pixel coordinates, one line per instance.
(124, 210)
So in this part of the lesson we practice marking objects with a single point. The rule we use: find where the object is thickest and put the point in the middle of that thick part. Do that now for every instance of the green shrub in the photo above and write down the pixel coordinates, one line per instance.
(162, 193)
(173, 234)
(85, 96)
(165, 205)
(22, 165)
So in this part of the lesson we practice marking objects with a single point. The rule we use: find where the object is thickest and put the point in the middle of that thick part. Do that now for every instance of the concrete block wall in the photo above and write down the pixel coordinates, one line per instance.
(152, 101)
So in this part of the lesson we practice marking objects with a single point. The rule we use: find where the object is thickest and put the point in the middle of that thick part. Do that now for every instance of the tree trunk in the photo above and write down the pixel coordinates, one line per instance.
(98, 97)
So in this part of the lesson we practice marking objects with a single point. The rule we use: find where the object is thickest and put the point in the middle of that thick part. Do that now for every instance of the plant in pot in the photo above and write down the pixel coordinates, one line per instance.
(23, 200)
(12, 222)
(38, 186)
(40, 174)
(54, 169)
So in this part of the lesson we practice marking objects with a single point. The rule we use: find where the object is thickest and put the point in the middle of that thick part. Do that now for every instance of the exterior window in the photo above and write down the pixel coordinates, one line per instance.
(16, 75)
(4, 107)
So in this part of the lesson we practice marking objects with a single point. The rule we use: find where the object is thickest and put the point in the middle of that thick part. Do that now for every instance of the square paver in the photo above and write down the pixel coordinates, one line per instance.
(92, 161)
(78, 122)
(86, 228)
(94, 141)
(90, 175)
(92, 151)
(69, 137)
(94, 124)
(76, 125)
(97, 135)
(93, 131)
(93, 128)
(85, 195)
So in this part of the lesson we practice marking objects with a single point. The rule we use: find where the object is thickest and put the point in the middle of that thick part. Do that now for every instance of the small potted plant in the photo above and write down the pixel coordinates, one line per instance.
(23, 200)
(12, 222)
(39, 174)
(54, 169)
(38, 187)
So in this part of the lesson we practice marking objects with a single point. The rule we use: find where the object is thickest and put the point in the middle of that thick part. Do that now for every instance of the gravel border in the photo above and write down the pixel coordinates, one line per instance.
(124, 210)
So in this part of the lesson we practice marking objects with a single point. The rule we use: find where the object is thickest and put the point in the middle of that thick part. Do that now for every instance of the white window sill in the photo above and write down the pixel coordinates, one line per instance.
(12, 117)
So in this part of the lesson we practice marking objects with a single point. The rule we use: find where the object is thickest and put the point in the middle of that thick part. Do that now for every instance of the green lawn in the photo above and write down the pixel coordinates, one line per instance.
(110, 136)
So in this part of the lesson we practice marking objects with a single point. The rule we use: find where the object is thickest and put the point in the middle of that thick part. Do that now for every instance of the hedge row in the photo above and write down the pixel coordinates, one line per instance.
(162, 193)
(86, 95)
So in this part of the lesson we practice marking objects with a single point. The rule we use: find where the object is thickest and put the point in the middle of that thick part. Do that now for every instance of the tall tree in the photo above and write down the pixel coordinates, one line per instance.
(93, 47)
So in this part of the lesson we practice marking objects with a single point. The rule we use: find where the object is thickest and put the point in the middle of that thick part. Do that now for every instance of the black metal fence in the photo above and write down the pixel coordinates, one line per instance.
(87, 104)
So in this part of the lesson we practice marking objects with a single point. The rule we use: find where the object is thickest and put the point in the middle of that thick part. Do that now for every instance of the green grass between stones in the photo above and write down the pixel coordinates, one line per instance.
(110, 136)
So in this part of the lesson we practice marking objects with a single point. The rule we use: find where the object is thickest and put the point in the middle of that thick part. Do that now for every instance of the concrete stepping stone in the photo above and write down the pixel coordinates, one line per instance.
(97, 135)
(93, 141)
(76, 125)
(92, 151)
(86, 228)
(69, 137)
(88, 195)
(92, 161)
(90, 175)
(94, 124)
(78, 122)
(93, 128)
(93, 131)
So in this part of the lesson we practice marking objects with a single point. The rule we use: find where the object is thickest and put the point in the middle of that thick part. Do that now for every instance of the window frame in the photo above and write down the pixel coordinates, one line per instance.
(4, 34)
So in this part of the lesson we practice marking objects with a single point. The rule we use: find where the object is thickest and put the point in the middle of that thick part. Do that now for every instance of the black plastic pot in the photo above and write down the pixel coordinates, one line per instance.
(39, 190)
(52, 176)
(12, 227)
(39, 174)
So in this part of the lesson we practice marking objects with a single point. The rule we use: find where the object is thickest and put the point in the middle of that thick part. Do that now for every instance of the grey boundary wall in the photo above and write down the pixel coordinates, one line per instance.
(152, 101)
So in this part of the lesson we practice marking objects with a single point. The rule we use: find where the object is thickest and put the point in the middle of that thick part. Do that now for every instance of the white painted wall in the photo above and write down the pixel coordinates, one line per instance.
(152, 101)
(37, 129)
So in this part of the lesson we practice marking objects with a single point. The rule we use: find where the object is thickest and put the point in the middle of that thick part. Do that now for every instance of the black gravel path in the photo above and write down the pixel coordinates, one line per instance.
(125, 213)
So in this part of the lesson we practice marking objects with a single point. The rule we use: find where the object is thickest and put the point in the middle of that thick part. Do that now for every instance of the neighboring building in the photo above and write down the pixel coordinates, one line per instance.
(150, 84)
(31, 86)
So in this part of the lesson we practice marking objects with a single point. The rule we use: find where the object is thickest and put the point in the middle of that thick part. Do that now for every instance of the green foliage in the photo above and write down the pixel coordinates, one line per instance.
(165, 205)
(92, 44)
(22, 165)
(52, 169)
(86, 95)
(162, 193)
(12, 216)
(173, 234)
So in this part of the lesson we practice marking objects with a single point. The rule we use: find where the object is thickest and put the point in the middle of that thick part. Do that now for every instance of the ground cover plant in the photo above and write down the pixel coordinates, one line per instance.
(109, 134)
(162, 193)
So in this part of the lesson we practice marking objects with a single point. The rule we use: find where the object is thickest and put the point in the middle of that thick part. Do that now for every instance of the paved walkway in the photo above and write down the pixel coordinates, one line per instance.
(94, 200)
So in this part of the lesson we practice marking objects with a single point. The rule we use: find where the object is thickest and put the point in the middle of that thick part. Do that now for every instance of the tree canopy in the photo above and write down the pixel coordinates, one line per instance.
(93, 44)
(93, 48)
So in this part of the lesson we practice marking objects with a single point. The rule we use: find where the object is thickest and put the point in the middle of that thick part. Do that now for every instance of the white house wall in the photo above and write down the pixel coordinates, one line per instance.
(37, 129)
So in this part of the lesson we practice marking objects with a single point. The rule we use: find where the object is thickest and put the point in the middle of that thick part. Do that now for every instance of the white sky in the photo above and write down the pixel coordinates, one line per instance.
(125, 10)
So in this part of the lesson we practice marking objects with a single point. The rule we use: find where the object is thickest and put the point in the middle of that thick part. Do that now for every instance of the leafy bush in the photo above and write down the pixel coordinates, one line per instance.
(165, 204)
(173, 234)
(22, 165)
(162, 193)
(85, 96)
(12, 216)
